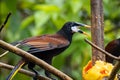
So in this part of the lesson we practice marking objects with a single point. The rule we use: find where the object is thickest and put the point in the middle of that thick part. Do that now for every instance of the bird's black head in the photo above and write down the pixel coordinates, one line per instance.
(70, 28)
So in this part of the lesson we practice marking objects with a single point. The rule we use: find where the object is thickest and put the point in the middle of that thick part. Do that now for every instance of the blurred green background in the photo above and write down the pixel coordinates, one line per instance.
(37, 17)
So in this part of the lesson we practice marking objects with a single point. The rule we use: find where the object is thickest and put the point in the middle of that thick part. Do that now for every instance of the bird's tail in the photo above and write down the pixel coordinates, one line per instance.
(16, 69)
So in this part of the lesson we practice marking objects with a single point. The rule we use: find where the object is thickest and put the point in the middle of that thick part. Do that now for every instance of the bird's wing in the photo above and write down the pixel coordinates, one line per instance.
(45, 42)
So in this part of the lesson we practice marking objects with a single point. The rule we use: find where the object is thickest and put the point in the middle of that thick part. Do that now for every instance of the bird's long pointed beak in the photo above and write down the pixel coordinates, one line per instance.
(83, 25)
(84, 33)
(87, 26)
(78, 25)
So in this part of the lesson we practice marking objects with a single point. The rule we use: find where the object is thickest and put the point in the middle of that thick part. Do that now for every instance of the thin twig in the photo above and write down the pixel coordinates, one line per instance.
(114, 71)
(2, 26)
(3, 54)
(34, 59)
(101, 50)
(23, 71)
(7, 51)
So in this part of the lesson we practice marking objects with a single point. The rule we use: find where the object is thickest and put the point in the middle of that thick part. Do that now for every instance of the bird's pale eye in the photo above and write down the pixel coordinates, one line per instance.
(75, 29)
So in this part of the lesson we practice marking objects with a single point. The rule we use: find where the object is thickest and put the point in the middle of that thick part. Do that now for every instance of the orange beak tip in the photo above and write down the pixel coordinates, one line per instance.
(86, 34)
(87, 26)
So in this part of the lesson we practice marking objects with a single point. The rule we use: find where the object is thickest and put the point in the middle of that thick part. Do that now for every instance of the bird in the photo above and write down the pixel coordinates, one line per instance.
(47, 46)
(113, 47)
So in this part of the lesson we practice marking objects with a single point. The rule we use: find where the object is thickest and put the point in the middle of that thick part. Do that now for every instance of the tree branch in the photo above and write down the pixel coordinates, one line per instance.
(26, 72)
(7, 51)
(97, 30)
(5, 21)
(101, 50)
(34, 59)
(114, 71)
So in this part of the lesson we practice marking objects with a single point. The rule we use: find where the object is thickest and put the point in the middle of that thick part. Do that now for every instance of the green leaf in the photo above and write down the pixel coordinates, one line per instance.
(76, 5)
(12, 5)
(40, 18)
(47, 8)
(27, 21)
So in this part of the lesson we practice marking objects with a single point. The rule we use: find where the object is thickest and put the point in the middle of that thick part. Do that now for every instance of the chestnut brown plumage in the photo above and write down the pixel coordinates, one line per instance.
(113, 47)
(47, 46)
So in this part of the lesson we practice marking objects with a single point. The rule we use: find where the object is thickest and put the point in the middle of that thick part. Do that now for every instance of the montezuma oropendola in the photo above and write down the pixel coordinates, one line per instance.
(113, 47)
(46, 47)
